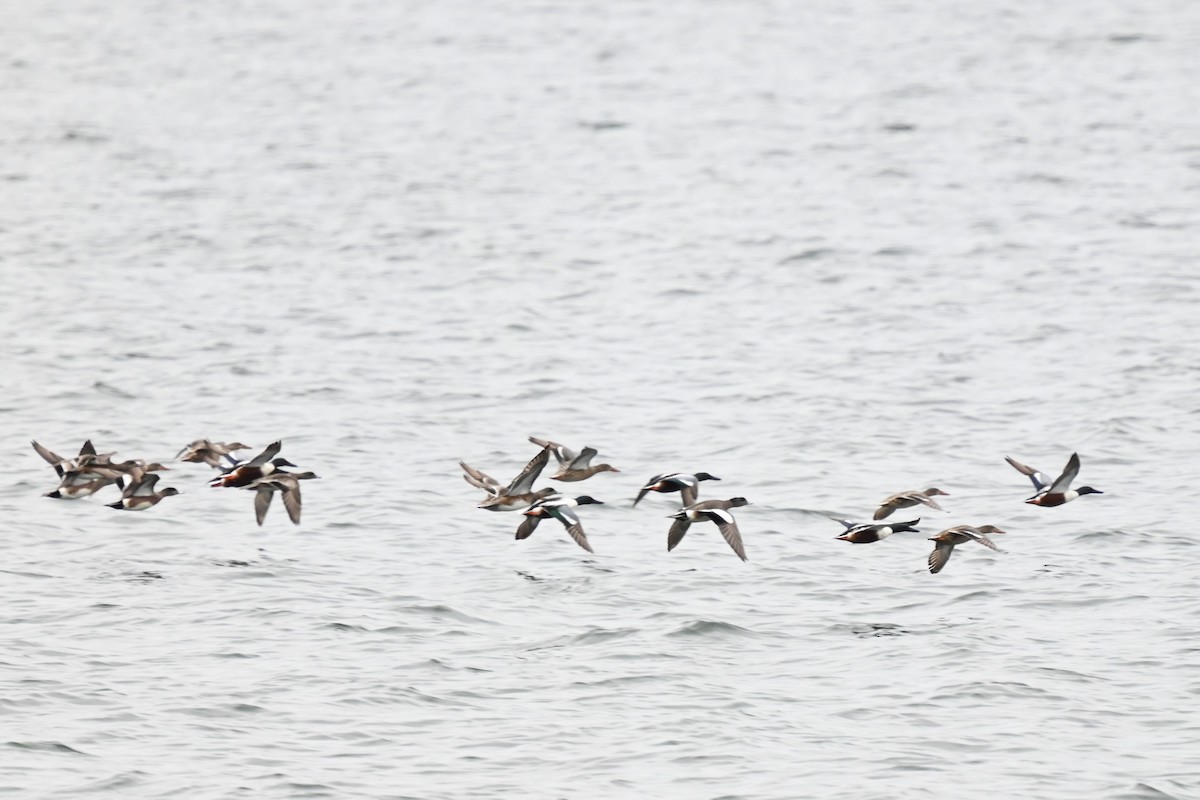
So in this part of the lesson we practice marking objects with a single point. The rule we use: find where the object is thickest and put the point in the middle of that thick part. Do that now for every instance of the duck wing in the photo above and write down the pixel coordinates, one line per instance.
(583, 459)
(479, 479)
(688, 493)
(140, 484)
(677, 532)
(646, 488)
(50, 457)
(291, 499)
(563, 454)
(929, 501)
(940, 555)
(579, 536)
(523, 483)
(570, 520)
(1037, 478)
(986, 542)
(262, 502)
(885, 509)
(528, 525)
(266, 455)
(729, 529)
(1063, 482)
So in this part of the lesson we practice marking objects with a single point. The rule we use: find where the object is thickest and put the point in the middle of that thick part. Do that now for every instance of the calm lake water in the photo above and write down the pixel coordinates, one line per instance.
(826, 253)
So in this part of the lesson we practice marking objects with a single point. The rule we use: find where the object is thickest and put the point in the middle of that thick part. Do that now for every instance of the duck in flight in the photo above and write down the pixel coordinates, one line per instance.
(687, 485)
(867, 533)
(907, 500)
(518, 493)
(263, 464)
(286, 484)
(140, 495)
(573, 466)
(87, 456)
(714, 511)
(1058, 492)
(211, 453)
(959, 534)
(562, 509)
(82, 483)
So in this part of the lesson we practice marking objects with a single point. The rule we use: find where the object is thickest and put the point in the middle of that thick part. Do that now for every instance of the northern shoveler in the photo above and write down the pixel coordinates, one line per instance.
(211, 453)
(867, 533)
(687, 485)
(518, 493)
(140, 495)
(714, 511)
(907, 500)
(1058, 492)
(263, 464)
(960, 534)
(573, 466)
(562, 509)
(287, 484)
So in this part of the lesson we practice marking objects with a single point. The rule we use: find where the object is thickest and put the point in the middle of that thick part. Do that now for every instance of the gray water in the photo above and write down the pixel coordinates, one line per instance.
(825, 253)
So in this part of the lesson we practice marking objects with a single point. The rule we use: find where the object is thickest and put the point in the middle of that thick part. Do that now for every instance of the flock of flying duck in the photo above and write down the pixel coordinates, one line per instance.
(265, 475)
(519, 495)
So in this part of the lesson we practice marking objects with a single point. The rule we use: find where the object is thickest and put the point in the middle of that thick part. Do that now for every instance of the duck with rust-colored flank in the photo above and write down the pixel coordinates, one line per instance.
(714, 511)
(263, 464)
(1058, 492)
(140, 495)
(573, 466)
(960, 534)
(687, 485)
(562, 509)
(908, 500)
(518, 493)
(286, 484)
(204, 451)
(868, 533)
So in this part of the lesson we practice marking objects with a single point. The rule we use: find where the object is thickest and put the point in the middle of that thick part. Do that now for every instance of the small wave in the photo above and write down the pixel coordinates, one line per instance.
(708, 627)
(444, 612)
(1144, 791)
(47, 747)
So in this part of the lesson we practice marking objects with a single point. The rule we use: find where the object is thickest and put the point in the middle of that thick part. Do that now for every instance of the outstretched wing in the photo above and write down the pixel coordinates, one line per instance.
(562, 454)
(528, 526)
(646, 488)
(50, 457)
(1038, 479)
(940, 555)
(729, 529)
(584, 459)
(266, 455)
(677, 532)
(480, 480)
(1063, 482)
(986, 542)
(262, 502)
(580, 537)
(523, 483)
(140, 484)
(291, 500)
